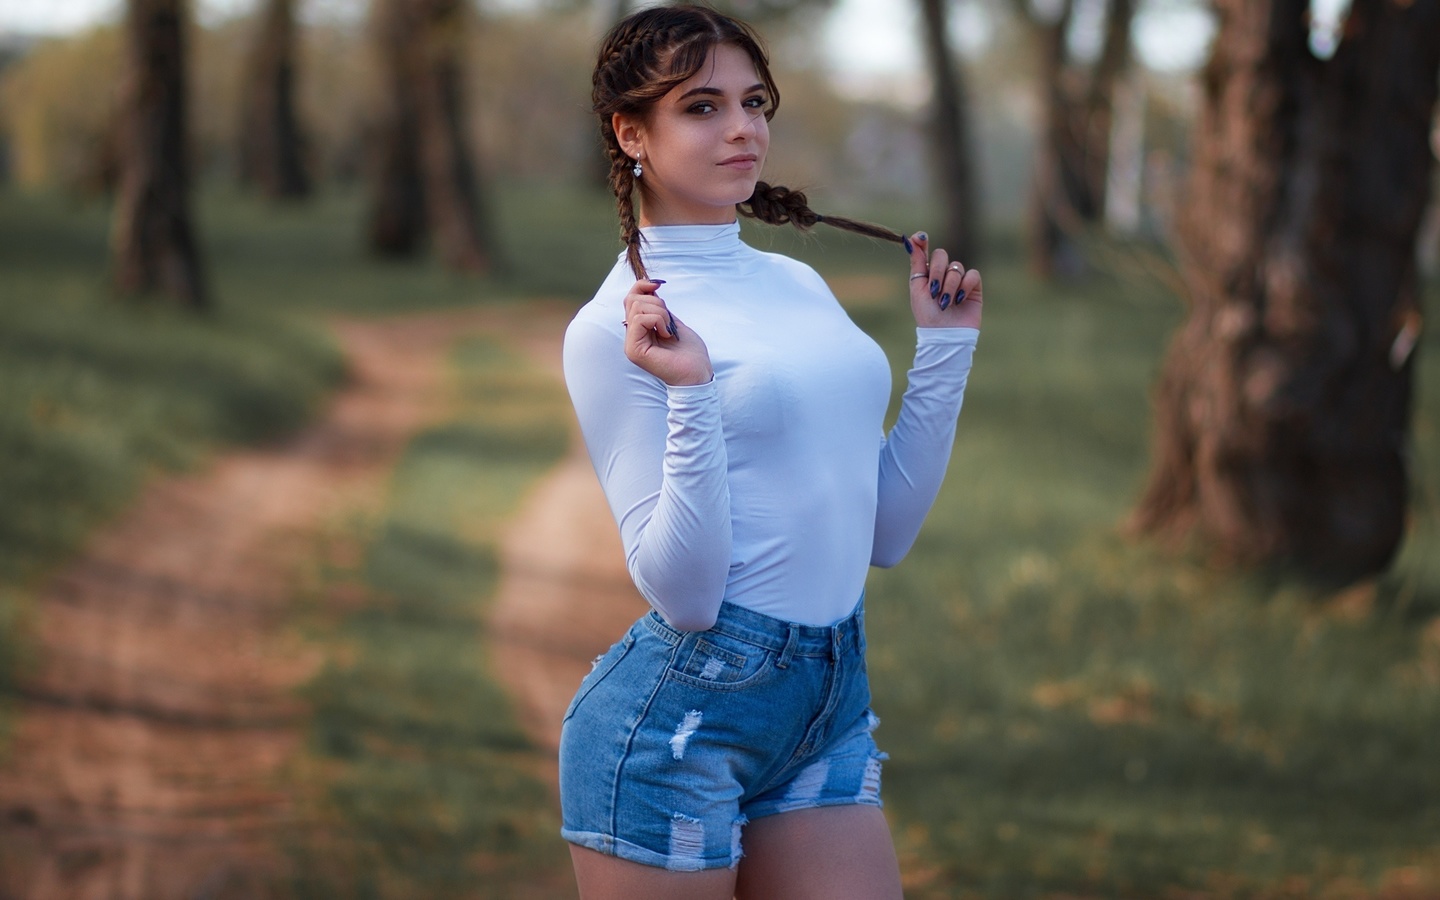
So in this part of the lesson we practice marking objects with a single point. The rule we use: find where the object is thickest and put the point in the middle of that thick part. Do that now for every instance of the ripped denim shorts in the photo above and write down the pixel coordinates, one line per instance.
(676, 739)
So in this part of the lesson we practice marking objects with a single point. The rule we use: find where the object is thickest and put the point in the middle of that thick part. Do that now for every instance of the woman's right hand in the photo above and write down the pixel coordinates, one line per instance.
(661, 344)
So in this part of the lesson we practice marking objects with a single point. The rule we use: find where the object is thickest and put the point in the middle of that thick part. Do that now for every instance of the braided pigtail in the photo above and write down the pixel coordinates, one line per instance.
(622, 184)
(779, 205)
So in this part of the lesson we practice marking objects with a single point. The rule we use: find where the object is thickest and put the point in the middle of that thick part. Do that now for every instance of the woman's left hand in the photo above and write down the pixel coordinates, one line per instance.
(943, 294)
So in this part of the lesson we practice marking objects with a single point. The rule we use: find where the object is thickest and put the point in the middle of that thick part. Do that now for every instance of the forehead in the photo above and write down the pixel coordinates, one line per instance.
(726, 68)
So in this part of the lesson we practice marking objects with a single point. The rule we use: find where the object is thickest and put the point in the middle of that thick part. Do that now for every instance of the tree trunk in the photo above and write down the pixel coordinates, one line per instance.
(1073, 156)
(424, 177)
(1283, 409)
(271, 146)
(1051, 212)
(951, 140)
(152, 243)
(1099, 107)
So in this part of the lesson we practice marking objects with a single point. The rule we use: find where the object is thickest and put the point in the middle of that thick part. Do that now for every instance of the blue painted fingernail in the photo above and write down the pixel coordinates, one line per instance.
(945, 300)
(671, 327)
(959, 295)
(909, 248)
(657, 281)
(921, 236)
(934, 289)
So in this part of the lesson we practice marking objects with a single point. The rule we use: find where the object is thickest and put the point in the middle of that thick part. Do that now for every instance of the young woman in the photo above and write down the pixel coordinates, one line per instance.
(734, 414)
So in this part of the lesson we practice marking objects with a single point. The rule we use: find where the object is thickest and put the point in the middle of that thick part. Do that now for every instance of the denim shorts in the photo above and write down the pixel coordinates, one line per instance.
(676, 739)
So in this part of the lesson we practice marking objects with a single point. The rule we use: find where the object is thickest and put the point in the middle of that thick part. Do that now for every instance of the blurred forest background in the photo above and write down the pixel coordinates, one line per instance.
(1170, 631)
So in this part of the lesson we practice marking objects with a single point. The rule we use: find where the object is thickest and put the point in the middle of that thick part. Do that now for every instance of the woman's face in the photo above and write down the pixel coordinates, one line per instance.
(702, 145)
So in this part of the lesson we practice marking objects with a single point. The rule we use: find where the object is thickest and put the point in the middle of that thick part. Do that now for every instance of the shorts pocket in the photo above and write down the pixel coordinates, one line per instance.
(720, 663)
(604, 665)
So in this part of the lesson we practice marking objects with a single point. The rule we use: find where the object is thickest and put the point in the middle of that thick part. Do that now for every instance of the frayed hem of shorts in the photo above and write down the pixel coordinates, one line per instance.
(775, 809)
(612, 846)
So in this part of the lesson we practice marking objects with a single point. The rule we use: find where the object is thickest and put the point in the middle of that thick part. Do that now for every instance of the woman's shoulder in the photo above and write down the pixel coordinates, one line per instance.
(597, 327)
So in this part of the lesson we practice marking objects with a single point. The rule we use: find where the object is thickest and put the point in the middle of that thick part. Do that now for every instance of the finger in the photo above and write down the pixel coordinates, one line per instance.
(938, 261)
(637, 303)
(915, 247)
(950, 284)
(970, 286)
(919, 265)
(647, 327)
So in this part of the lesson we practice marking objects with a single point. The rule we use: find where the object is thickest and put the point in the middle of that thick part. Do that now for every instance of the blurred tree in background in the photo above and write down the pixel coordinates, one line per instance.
(60, 103)
(951, 138)
(1072, 154)
(152, 240)
(425, 178)
(271, 142)
(1283, 411)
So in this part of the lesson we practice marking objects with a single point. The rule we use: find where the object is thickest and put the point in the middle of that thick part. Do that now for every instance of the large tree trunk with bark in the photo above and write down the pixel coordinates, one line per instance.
(1283, 409)
(951, 139)
(1072, 158)
(271, 144)
(152, 243)
(425, 180)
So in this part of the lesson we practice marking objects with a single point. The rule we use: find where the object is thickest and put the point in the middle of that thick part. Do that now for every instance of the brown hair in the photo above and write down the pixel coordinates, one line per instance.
(641, 59)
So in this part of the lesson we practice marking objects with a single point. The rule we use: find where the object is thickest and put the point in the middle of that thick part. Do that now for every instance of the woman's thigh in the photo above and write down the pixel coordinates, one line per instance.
(823, 853)
(604, 877)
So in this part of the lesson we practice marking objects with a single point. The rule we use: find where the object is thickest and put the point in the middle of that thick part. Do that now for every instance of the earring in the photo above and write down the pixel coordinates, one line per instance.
(636, 169)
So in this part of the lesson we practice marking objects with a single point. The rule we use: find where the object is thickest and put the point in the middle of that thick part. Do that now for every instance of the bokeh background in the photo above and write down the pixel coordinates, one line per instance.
(281, 283)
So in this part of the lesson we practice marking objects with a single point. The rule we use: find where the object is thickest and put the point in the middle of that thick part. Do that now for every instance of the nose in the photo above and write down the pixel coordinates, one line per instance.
(743, 124)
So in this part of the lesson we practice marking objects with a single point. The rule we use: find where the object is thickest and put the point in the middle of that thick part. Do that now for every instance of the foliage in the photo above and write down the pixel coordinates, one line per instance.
(57, 104)
(429, 786)
(528, 89)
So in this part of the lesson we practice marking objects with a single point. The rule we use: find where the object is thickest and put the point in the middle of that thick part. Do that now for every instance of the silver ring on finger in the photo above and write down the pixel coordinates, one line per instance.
(919, 275)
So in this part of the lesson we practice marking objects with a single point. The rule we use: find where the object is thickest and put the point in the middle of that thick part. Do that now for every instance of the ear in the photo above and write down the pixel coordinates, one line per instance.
(630, 133)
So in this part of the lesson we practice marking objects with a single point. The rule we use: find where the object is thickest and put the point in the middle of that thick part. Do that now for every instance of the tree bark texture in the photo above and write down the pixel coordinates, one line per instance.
(271, 143)
(1072, 158)
(425, 180)
(153, 245)
(1283, 408)
(951, 139)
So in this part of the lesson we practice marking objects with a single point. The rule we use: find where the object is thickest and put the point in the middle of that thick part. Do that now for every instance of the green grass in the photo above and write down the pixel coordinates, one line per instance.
(1069, 712)
(427, 787)
(95, 396)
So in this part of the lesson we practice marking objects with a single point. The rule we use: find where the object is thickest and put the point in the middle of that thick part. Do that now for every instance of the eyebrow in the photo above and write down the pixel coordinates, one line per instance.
(716, 92)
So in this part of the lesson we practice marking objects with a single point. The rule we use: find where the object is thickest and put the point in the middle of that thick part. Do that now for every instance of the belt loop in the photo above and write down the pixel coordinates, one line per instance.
(789, 651)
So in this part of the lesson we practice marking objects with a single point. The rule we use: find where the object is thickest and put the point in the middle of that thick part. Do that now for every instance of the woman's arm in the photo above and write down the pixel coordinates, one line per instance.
(659, 452)
(947, 300)
(914, 456)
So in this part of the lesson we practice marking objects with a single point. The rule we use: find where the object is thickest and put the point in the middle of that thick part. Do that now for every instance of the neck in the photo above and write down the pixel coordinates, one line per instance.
(653, 213)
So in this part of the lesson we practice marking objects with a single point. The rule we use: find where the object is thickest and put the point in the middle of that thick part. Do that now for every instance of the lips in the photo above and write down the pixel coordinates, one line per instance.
(740, 161)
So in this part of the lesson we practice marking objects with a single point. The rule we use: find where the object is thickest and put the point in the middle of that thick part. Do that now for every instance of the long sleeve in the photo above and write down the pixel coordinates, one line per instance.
(914, 457)
(660, 455)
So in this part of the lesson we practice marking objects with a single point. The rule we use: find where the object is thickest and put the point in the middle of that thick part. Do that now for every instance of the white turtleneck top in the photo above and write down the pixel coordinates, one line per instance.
(773, 486)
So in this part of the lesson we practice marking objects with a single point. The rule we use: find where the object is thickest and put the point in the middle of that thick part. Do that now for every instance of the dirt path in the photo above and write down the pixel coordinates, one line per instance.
(144, 760)
(564, 593)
